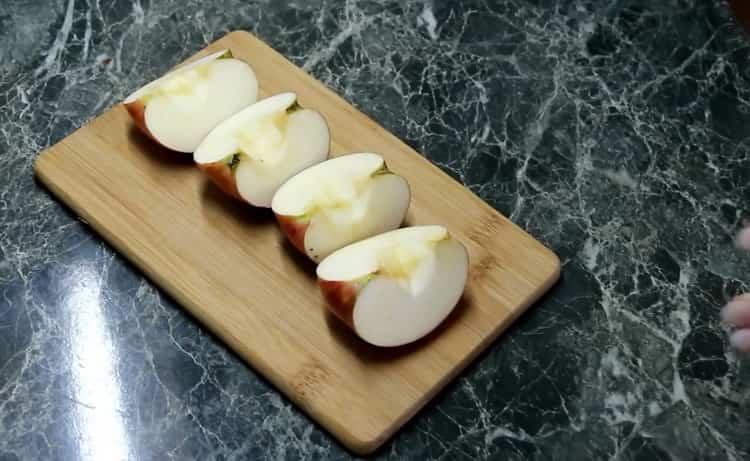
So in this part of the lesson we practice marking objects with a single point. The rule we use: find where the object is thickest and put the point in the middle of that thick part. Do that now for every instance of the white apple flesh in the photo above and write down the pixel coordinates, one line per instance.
(396, 287)
(340, 201)
(252, 153)
(179, 109)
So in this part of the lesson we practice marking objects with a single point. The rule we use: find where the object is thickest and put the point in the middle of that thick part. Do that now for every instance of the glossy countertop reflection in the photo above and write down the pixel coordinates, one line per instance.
(614, 132)
(94, 383)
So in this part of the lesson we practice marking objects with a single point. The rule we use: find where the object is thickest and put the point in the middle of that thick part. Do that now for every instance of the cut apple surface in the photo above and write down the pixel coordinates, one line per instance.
(252, 153)
(340, 201)
(179, 109)
(396, 287)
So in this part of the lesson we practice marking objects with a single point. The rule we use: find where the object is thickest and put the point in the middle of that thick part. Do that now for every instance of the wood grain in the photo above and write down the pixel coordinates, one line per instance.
(229, 265)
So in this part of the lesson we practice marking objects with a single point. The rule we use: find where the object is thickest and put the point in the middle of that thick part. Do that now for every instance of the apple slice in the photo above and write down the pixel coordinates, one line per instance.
(179, 109)
(396, 287)
(340, 201)
(256, 150)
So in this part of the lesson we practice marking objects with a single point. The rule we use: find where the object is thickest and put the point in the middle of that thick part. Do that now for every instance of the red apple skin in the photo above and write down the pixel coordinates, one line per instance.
(137, 111)
(295, 230)
(340, 296)
(221, 174)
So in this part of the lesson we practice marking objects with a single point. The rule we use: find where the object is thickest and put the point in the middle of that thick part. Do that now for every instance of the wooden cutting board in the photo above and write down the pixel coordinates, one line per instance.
(229, 265)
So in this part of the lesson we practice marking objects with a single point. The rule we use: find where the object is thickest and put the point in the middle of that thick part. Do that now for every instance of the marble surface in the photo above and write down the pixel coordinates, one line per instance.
(617, 132)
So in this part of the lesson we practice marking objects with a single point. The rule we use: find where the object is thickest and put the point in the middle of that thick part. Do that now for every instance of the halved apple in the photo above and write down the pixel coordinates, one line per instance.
(256, 150)
(179, 109)
(340, 201)
(396, 287)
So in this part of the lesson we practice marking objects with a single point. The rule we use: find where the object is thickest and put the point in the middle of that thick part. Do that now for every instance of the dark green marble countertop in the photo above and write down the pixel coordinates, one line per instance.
(617, 132)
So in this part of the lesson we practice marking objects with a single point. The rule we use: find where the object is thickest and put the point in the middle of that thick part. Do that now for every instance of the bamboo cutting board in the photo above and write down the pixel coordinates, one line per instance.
(229, 265)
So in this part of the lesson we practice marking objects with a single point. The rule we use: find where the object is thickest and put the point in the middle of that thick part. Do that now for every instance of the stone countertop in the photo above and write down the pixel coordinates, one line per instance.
(616, 132)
